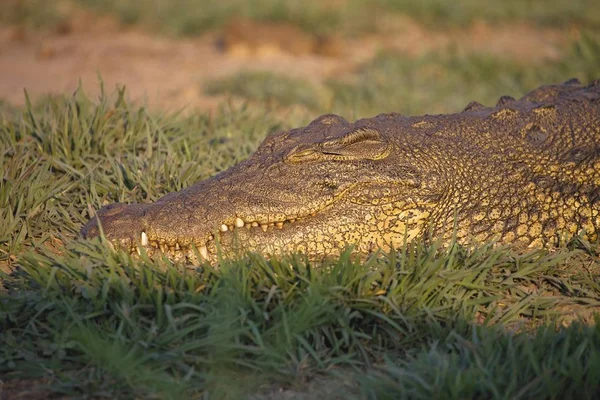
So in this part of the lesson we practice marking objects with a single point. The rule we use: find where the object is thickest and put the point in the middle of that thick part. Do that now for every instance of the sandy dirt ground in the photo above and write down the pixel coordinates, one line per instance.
(169, 73)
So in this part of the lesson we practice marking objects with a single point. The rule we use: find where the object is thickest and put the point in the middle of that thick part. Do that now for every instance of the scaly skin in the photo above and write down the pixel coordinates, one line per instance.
(525, 172)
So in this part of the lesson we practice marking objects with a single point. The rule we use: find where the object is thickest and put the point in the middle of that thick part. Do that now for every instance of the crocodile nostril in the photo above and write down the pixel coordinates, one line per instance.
(111, 209)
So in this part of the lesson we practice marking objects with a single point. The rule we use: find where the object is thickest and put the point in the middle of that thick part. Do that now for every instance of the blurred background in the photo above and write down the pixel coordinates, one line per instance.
(353, 57)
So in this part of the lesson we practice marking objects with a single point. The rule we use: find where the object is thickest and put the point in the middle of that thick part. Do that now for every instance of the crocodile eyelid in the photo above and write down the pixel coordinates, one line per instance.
(304, 153)
(357, 135)
(307, 154)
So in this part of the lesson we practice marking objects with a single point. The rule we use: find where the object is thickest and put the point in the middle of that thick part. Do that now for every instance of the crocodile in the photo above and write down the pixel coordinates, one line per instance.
(525, 172)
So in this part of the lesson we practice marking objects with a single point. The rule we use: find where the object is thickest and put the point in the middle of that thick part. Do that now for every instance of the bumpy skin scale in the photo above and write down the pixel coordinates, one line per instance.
(525, 172)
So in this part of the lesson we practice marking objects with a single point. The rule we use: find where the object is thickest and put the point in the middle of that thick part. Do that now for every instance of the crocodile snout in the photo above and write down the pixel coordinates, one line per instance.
(124, 223)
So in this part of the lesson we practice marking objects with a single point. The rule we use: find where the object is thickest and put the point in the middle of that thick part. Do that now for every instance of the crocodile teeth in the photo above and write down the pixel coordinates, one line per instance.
(144, 239)
(177, 246)
(239, 223)
(204, 252)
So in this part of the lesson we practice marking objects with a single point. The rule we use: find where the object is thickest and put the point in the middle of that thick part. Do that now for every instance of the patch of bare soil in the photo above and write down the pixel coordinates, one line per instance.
(320, 387)
(4, 267)
(169, 73)
(522, 42)
(246, 37)
(24, 389)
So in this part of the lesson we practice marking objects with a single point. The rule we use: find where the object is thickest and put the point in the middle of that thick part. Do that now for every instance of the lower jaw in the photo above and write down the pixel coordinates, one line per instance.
(189, 256)
(228, 248)
(297, 237)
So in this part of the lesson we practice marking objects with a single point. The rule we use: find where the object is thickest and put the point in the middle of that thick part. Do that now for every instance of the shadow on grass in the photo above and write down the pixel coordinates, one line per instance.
(419, 322)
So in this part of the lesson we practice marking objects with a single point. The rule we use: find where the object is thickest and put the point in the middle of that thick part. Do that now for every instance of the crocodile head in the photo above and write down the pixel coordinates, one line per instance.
(315, 190)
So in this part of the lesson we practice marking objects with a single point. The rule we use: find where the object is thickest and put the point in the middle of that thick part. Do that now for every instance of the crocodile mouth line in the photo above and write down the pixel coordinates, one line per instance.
(174, 247)
(207, 246)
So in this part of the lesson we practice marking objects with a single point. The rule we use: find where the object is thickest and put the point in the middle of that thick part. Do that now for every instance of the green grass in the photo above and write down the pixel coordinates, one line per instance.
(446, 83)
(349, 17)
(432, 83)
(272, 89)
(440, 13)
(483, 364)
(92, 322)
(66, 153)
(31, 13)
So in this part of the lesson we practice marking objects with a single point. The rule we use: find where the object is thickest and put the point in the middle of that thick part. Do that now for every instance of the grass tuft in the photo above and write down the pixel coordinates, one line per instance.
(488, 363)
(270, 88)
(447, 82)
(433, 83)
(143, 327)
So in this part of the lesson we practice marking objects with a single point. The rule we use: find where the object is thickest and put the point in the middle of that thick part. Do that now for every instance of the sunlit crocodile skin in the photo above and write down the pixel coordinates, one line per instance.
(525, 172)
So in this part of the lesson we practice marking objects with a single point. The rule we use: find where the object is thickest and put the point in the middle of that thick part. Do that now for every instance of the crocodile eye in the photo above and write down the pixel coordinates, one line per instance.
(302, 153)
(359, 144)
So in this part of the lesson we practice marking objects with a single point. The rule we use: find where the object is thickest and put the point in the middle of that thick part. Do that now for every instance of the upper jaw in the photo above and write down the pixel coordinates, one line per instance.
(204, 239)
(183, 227)
(121, 223)
(162, 228)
